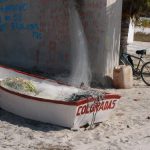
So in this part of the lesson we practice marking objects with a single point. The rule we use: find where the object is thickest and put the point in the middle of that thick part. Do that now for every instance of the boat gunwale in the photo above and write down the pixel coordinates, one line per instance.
(72, 103)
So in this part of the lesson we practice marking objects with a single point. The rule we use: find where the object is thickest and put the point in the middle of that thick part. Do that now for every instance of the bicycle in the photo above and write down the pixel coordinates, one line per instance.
(140, 68)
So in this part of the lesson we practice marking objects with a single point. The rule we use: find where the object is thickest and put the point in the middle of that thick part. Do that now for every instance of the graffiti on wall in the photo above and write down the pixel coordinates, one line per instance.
(46, 24)
(12, 18)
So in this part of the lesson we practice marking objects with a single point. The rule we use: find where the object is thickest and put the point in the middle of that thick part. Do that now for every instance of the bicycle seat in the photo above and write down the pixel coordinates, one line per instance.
(142, 52)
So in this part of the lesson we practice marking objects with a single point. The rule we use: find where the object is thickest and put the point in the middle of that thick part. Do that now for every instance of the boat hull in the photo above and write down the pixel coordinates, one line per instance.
(62, 113)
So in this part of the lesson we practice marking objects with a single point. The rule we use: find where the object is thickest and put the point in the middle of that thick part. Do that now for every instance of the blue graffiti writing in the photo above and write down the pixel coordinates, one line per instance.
(24, 26)
(37, 35)
(18, 17)
(7, 18)
(17, 7)
(11, 18)
(3, 27)
(1, 1)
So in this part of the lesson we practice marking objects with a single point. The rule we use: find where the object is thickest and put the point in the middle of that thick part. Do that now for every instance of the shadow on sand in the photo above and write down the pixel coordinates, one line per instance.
(27, 123)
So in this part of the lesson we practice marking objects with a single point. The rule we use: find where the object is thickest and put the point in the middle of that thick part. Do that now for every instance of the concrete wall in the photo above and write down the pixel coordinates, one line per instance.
(112, 35)
(35, 34)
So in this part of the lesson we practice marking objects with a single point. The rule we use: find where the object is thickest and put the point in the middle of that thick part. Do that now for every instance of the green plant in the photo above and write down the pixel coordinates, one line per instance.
(143, 22)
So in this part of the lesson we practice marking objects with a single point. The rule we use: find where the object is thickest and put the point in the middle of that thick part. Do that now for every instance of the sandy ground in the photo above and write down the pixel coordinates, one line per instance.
(144, 30)
(127, 129)
(136, 45)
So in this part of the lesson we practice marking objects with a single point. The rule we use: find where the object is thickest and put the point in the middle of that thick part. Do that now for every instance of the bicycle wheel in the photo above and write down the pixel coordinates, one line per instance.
(145, 73)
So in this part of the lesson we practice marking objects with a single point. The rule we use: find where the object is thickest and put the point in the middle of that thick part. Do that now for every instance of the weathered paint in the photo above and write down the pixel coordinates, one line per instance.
(35, 34)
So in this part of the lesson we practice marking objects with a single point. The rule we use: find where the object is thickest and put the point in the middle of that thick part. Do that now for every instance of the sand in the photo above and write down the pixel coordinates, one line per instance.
(143, 30)
(127, 129)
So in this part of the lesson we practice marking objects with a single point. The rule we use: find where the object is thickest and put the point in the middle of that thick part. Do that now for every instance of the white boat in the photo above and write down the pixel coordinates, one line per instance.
(71, 114)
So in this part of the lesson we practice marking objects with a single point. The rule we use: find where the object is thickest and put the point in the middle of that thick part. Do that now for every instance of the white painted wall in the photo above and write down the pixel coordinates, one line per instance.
(131, 32)
(143, 30)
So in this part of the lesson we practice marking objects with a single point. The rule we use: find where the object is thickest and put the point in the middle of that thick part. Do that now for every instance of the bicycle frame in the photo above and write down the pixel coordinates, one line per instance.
(125, 56)
(137, 68)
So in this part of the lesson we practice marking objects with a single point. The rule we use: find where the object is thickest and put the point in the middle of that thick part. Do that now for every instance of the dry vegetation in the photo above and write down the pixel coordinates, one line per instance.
(143, 37)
